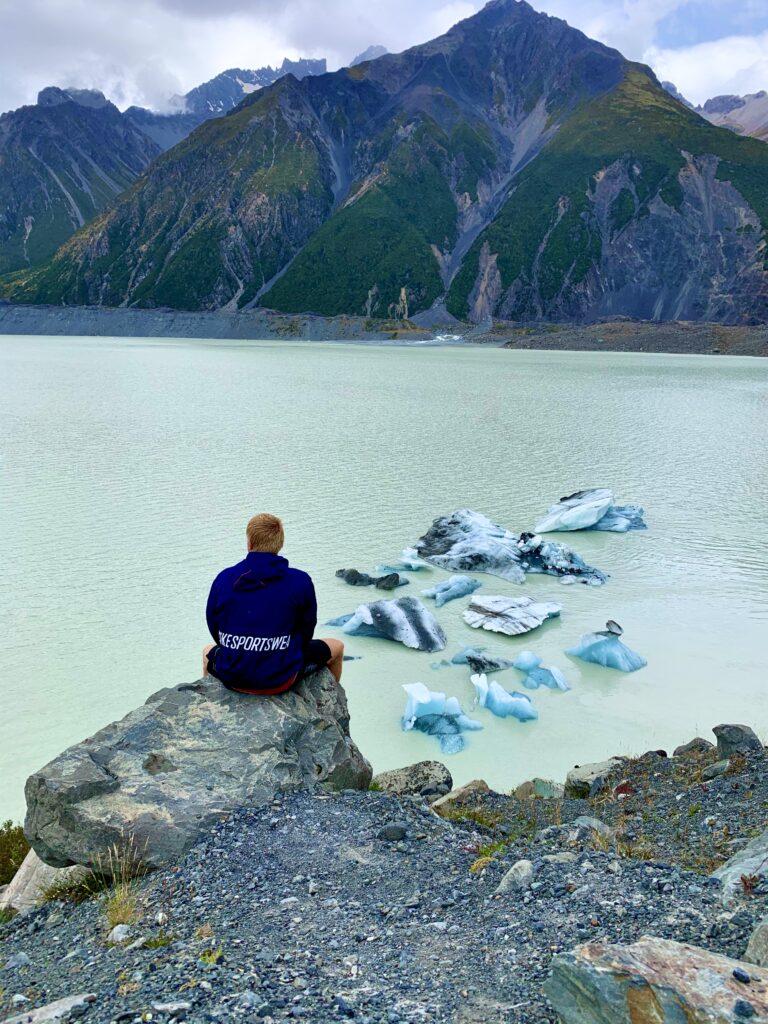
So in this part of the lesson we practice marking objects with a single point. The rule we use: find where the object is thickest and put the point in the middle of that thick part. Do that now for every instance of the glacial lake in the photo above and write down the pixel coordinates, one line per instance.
(130, 467)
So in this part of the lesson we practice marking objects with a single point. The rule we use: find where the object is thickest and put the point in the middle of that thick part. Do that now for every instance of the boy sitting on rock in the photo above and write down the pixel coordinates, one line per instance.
(262, 615)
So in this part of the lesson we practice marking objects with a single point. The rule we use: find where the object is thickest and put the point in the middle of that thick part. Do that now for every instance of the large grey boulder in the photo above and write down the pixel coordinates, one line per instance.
(757, 949)
(581, 779)
(30, 883)
(410, 781)
(751, 862)
(189, 756)
(654, 981)
(736, 739)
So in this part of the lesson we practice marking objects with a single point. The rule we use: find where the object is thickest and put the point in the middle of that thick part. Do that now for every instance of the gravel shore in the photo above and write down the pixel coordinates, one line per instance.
(606, 336)
(367, 907)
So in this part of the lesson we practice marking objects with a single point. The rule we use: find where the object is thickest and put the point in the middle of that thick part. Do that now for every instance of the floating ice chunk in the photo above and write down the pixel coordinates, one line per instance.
(467, 541)
(405, 620)
(526, 661)
(488, 663)
(509, 615)
(449, 590)
(355, 578)
(536, 676)
(591, 509)
(606, 649)
(478, 661)
(437, 715)
(462, 657)
(499, 702)
(621, 519)
(409, 561)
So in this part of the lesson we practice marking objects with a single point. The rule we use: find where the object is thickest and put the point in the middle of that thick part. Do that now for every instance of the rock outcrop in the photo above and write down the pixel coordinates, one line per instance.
(736, 739)
(582, 778)
(193, 753)
(745, 869)
(415, 779)
(654, 981)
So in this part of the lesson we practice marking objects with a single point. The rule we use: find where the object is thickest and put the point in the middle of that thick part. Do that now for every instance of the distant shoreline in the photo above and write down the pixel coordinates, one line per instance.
(620, 335)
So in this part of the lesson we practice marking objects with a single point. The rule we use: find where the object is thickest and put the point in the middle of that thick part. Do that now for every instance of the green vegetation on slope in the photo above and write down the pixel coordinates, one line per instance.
(547, 209)
(381, 243)
(237, 183)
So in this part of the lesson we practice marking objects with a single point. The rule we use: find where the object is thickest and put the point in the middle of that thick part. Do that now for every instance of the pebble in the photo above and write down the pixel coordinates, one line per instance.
(741, 975)
(393, 833)
(120, 933)
(742, 1008)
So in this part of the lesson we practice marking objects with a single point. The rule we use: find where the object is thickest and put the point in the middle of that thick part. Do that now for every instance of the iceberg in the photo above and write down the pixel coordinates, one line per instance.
(499, 702)
(437, 715)
(405, 620)
(606, 649)
(449, 590)
(509, 615)
(591, 509)
(468, 541)
(536, 676)
(480, 662)
(409, 561)
(362, 579)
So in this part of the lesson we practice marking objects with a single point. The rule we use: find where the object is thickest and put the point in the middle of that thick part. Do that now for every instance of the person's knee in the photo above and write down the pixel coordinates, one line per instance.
(336, 647)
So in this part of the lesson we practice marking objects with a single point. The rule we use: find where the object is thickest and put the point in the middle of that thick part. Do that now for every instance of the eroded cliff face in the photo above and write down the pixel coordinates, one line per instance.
(700, 257)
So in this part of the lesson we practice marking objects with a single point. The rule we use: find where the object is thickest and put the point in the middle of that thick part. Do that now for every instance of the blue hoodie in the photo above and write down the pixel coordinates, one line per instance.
(262, 614)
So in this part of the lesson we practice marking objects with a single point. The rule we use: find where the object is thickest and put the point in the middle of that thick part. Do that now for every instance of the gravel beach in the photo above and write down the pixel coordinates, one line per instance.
(367, 907)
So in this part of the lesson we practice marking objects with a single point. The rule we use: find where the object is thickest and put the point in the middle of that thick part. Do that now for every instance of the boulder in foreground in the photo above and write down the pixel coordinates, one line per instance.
(654, 981)
(189, 756)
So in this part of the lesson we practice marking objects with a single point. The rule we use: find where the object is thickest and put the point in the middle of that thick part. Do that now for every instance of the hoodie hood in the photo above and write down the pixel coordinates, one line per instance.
(259, 570)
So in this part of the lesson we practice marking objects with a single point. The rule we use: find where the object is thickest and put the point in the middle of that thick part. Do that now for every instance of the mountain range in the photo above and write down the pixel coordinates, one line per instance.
(65, 158)
(511, 168)
(745, 115)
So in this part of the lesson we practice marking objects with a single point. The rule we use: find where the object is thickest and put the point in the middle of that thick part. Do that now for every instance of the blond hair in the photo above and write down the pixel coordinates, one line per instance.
(265, 533)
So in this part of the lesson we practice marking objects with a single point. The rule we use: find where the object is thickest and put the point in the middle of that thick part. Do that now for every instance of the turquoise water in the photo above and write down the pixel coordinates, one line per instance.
(129, 468)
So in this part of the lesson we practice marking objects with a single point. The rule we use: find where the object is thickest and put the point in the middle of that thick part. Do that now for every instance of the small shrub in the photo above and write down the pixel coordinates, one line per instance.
(6, 915)
(210, 957)
(480, 865)
(160, 941)
(13, 849)
(76, 889)
(693, 810)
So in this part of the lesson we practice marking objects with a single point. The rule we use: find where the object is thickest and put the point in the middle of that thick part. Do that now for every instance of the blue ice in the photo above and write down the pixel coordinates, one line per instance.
(536, 676)
(450, 589)
(591, 509)
(437, 715)
(608, 651)
(500, 702)
(621, 519)
(408, 560)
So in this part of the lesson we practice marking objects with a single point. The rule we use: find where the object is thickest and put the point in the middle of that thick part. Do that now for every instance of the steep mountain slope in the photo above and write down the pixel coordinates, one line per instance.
(512, 167)
(638, 206)
(61, 162)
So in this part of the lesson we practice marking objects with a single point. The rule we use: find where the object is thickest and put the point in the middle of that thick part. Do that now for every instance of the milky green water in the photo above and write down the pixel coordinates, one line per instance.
(129, 468)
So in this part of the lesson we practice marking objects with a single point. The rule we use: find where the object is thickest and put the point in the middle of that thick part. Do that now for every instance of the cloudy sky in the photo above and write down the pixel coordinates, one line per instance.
(143, 51)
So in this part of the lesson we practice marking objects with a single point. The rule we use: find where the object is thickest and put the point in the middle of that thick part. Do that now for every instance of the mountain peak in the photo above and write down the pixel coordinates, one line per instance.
(371, 53)
(52, 96)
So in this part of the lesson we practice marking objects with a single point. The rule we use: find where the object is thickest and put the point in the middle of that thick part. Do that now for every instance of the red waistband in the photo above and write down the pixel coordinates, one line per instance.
(271, 691)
